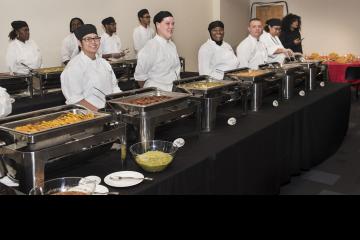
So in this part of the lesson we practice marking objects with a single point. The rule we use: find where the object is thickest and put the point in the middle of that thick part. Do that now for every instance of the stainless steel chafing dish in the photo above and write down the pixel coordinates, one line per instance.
(315, 71)
(18, 85)
(146, 117)
(31, 151)
(292, 77)
(257, 79)
(49, 78)
(124, 68)
(212, 93)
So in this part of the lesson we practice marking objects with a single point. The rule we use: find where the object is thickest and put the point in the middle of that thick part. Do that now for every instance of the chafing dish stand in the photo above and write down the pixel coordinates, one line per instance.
(256, 83)
(147, 117)
(211, 98)
(29, 153)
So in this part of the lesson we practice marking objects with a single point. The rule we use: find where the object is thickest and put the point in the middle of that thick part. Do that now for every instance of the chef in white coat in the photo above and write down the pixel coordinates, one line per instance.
(5, 103)
(251, 52)
(143, 33)
(70, 47)
(216, 56)
(270, 37)
(110, 46)
(21, 50)
(88, 78)
(158, 62)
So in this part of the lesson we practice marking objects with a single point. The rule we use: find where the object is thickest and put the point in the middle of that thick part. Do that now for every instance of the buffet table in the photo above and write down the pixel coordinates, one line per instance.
(256, 156)
(337, 71)
(22, 105)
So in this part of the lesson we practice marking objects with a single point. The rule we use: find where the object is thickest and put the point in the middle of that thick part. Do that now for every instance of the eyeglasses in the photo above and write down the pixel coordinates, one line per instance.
(89, 39)
(277, 28)
(147, 17)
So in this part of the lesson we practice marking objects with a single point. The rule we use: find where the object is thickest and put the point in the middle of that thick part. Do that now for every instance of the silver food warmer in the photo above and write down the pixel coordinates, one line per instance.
(316, 73)
(292, 78)
(19, 85)
(146, 117)
(258, 81)
(26, 154)
(47, 79)
(124, 68)
(212, 96)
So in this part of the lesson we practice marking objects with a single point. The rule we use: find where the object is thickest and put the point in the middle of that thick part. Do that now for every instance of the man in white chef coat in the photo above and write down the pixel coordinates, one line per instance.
(158, 62)
(216, 56)
(251, 52)
(110, 46)
(143, 33)
(88, 78)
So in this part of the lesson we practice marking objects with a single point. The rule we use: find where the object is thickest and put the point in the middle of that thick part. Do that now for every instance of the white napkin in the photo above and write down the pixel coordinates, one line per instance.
(8, 182)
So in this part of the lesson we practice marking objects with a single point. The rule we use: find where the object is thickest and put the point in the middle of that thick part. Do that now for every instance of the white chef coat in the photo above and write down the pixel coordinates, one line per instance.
(69, 48)
(251, 53)
(214, 59)
(5, 103)
(27, 53)
(141, 36)
(83, 75)
(272, 44)
(109, 44)
(158, 64)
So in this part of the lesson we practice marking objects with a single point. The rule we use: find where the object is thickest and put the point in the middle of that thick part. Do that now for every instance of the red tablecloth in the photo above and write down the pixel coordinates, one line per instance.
(337, 71)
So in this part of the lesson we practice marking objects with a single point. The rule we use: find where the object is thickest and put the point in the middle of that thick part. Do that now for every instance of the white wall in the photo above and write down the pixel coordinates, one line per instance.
(49, 22)
(235, 14)
(328, 25)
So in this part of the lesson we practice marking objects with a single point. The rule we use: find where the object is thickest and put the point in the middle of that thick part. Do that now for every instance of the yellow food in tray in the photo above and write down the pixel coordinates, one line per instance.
(250, 73)
(51, 70)
(201, 85)
(65, 119)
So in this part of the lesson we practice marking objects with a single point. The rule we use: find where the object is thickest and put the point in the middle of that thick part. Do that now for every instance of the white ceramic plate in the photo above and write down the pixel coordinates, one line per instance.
(127, 182)
(101, 190)
(93, 178)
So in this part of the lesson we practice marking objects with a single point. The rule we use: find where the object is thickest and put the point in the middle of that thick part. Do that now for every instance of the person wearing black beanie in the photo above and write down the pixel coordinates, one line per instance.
(23, 53)
(270, 38)
(110, 46)
(216, 56)
(88, 77)
(158, 62)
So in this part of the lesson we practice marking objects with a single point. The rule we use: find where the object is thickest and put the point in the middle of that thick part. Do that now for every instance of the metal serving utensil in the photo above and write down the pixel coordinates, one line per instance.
(118, 178)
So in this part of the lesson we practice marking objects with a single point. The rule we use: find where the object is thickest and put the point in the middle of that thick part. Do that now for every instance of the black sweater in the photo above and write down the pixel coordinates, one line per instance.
(287, 39)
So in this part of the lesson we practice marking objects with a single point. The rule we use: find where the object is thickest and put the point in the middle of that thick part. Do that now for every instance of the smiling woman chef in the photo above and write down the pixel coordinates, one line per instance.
(22, 50)
(88, 77)
(158, 62)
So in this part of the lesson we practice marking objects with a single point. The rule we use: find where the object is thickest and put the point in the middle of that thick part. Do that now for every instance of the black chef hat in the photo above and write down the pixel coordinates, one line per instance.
(273, 22)
(161, 15)
(142, 12)
(215, 24)
(108, 21)
(85, 30)
(16, 25)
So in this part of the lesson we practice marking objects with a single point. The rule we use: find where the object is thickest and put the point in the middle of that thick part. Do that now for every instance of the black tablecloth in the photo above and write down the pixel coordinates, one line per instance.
(256, 156)
(27, 104)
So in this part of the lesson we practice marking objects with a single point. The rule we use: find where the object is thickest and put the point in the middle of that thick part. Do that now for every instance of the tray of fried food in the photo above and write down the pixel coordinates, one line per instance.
(62, 120)
(250, 73)
(202, 85)
(50, 70)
